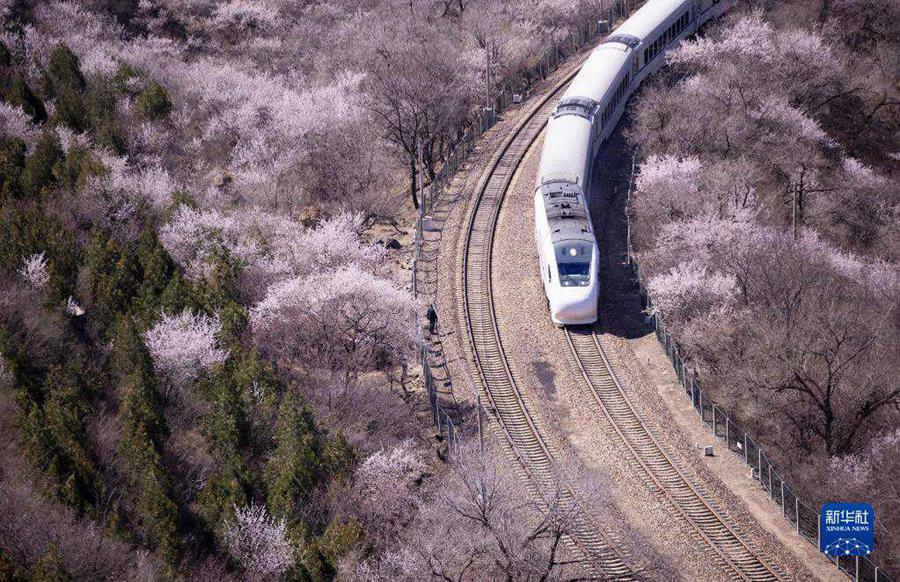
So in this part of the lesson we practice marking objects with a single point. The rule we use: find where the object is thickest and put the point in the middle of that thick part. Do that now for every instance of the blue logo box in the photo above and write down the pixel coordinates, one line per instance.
(847, 529)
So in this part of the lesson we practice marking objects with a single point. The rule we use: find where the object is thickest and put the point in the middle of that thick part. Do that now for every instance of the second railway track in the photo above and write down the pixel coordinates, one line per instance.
(494, 375)
(738, 558)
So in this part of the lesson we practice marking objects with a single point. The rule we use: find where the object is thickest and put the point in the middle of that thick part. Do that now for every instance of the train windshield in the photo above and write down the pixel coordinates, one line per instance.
(574, 261)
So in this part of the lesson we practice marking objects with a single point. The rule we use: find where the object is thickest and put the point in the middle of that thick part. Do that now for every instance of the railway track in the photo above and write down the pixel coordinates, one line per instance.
(494, 375)
(739, 558)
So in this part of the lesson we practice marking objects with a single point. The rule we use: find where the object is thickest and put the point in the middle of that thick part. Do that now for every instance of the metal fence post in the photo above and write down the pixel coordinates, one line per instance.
(818, 533)
(759, 460)
(727, 437)
(746, 451)
(714, 421)
(783, 504)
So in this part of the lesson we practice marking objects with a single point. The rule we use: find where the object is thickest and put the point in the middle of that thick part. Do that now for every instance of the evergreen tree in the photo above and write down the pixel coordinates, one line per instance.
(294, 468)
(27, 230)
(12, 162)
(51, 418)
(38, 178)
(66, 406)
(113, 276)
(63, 72)
(143, 427)
(71, 110)
(153, 102)
(227, 429)
(20, 95)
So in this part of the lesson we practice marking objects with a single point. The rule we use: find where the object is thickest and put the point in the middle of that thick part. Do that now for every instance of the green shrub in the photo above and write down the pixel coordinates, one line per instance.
(112, 275)
(63, 72)
(20, 95)
(50, 567)
(338, 538)
(153, 102)
(38, 178)
(5, 56)
(12, 162)
(119, 81)
(25, 231)
(293, 470)
(109, 135)
(71, 110)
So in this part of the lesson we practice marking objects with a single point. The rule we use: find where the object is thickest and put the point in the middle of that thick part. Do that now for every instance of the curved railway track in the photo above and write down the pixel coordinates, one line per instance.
(496, 379)
(738, 558)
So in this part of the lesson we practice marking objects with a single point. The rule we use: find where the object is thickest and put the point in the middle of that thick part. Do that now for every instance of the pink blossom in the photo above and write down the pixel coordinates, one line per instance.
(690, 288)
(34, 271)
(183, 346)
(259, 542)
(348, 321)
(15, 123)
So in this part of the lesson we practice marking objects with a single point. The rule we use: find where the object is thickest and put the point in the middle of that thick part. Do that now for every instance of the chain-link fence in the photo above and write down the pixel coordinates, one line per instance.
(802, 516)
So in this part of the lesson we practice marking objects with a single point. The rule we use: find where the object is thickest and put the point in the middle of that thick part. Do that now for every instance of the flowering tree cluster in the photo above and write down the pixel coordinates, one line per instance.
(385, 496)
(184, 346)
(348, 321)
(259, 542)
(190, 183)
(763, 225)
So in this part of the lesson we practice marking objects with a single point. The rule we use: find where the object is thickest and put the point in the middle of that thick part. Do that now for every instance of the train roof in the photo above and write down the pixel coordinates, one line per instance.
(565, 208)
(645, 21)
(566, 144)
(599, 72)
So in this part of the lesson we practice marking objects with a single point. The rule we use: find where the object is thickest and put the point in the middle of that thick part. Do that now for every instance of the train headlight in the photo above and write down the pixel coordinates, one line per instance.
(573, 251)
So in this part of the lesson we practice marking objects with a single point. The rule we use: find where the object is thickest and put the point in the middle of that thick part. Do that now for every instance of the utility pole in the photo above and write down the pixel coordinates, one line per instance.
(487, 73)
(421, 181)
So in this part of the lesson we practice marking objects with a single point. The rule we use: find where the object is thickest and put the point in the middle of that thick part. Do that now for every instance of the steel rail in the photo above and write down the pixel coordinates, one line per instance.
(738, 557)
(496, 379)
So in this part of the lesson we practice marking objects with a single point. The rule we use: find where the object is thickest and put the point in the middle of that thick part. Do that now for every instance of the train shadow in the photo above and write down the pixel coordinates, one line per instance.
(621, 310)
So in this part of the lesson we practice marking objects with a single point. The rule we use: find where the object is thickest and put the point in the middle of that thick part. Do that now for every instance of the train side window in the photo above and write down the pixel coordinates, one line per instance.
(549, 273)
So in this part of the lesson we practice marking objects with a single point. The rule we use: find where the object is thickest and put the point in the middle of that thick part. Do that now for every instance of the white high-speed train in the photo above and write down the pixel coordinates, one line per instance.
(584, 118)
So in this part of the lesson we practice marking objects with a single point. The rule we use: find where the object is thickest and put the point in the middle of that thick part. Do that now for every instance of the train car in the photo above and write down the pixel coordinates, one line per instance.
(588, 112)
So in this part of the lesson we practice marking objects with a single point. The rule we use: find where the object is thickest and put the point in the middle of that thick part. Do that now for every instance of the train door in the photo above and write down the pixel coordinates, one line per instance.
(696, 8)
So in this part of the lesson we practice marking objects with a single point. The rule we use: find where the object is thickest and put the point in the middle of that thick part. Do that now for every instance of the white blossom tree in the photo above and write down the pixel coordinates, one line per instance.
(347, 321)
(259, 542)
(34, 271)
(183, 346)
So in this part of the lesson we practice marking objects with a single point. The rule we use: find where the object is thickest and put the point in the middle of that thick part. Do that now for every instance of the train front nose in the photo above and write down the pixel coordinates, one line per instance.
(574, 305)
